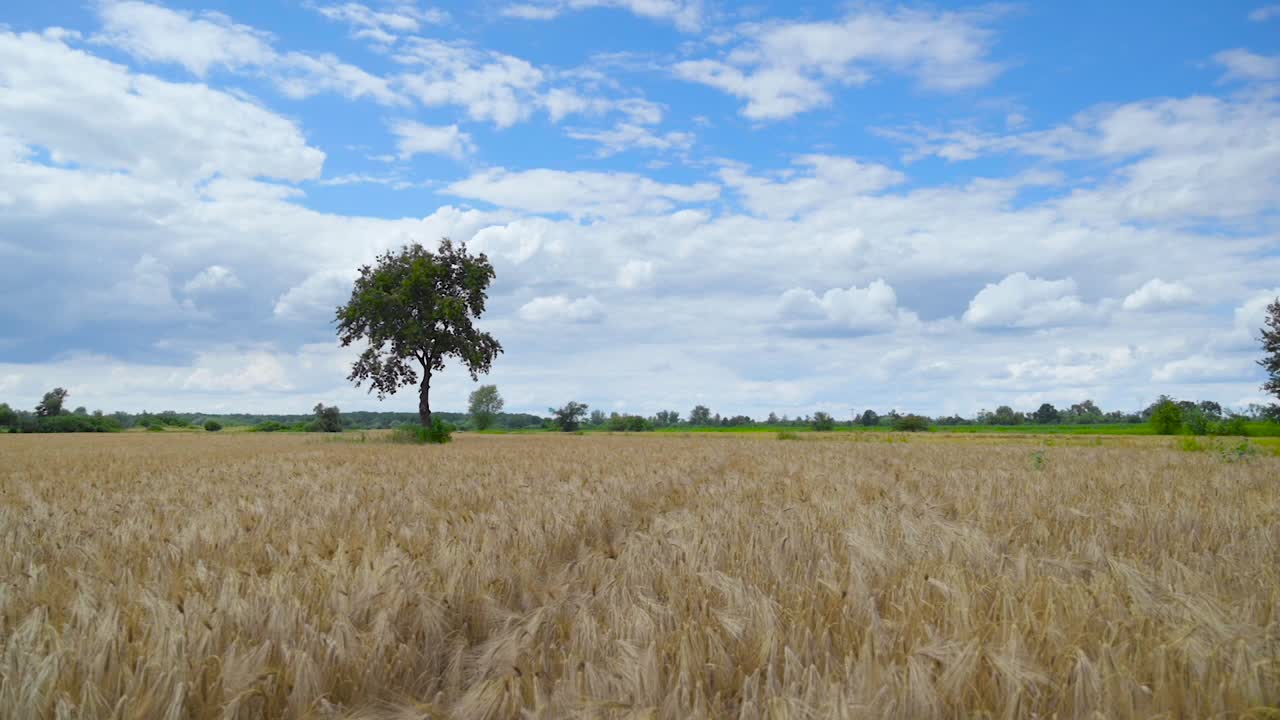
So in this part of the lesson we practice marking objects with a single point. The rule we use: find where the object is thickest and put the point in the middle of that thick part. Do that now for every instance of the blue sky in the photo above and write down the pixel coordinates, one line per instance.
(759, 207)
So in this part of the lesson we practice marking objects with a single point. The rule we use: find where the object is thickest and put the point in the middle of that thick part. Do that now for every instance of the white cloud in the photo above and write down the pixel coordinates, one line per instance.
(870, 309)
(140, 124)
(1020, 300)
(783, 69)
(560, 308)
(1265, 13)
(687, 15)
(1244, 65)
(1204, 368)
(827, 180)
(625, 137)
(635, 274)
(578, 194)
(158, 34)
(491, 86)
(317, 296)
(1156, 294)
(199, 43)
(214, 277)
(382, 26)
(415, 138)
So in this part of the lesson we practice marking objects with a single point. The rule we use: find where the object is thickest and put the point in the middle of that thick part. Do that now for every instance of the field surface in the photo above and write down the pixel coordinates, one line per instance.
(248, 575)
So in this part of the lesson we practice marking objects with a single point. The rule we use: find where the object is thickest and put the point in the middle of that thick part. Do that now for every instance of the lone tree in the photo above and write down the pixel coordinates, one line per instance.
(1271, 347)
(484, 404)
(569, 417)
(416, 308)
(51, 404)
(328, 417)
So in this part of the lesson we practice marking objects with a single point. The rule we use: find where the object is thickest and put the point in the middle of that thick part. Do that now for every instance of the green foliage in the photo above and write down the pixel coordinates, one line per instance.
(788, 435)
(1270, 339)
(700, 415)
(628, 423)
(8, 417)
(870, 418)
(212, 425)
(269, 426)
(483, 406)
(1234, 425)
(1196, 422)
(1038, 460)
(823, 422)
(1166, 417)
(1047, 414)
(1242, 452)
(51, 404)
(74, 424)
(438, 433)
(569, 417)
(328, 419)
(911, 423)
(416, 308)
(1190, 444)
(154, 428)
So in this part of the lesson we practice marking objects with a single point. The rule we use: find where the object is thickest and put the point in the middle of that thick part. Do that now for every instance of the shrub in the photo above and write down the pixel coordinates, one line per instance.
(823, 422)
(439, 433)
(74, 424)
(269, 426)
(1234, 426)
(154, 428)
(911, 423)
(212, 425)
(1197, 422)
(1166, 418)
(1190, 444)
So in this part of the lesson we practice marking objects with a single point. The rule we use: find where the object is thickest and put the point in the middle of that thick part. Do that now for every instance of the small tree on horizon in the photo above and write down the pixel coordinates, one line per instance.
(569, 417)
(51, 404)
(823, 422)
(700, 415)
(328, 418)
(483, 405)
(1270, 340)
(416, 308)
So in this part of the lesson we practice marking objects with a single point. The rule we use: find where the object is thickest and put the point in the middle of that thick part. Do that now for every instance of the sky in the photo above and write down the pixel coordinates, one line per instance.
(759, 207)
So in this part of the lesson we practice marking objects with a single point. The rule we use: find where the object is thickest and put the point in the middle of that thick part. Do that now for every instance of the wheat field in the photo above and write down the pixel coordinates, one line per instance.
(246, 576)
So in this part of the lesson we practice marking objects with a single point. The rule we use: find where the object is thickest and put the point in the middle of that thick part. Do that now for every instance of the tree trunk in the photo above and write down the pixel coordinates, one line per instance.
(424, 405)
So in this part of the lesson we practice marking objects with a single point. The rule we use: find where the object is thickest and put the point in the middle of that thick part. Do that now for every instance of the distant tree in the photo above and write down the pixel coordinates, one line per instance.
(700, 415)
(597, 418)
(869, 419)
(212, 425)
(569, 417)
(82, 411)
(666, 418)
(1166, 416)
(328, 418)
(1211, 409)
(1047, 414)
(7, 415)
(1005, 415)
(772, 419)
(483, 406)
(823, 422)
(51, 404)
(416, 308)
(911, 423)
(1084, 412)
(1270, 340)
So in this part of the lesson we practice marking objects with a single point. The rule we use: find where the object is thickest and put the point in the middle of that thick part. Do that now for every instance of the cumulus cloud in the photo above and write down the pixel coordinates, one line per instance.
(1244, 65)
(316, 296)
(214, 277)
(382, 26)
(1204, 368)
(634, 274)
(870, 309)
(782, 69)
(415, 138)
(1156, 293)
(155, 128)
(201, 42)
(578, 193)
(687, 15)
(560, 308)
(490, 86)
(1020, 300)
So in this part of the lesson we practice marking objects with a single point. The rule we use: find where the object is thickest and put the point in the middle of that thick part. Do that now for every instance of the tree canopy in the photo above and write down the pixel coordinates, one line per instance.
(1271, 348)
(416, 308)
(483, 406)
(51, 404)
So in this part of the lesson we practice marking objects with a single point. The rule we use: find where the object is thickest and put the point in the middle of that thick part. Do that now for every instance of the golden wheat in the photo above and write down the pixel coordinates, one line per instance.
(245, 576)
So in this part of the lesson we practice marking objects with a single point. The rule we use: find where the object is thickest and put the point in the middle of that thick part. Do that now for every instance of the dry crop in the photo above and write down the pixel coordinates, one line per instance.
(243, 576)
